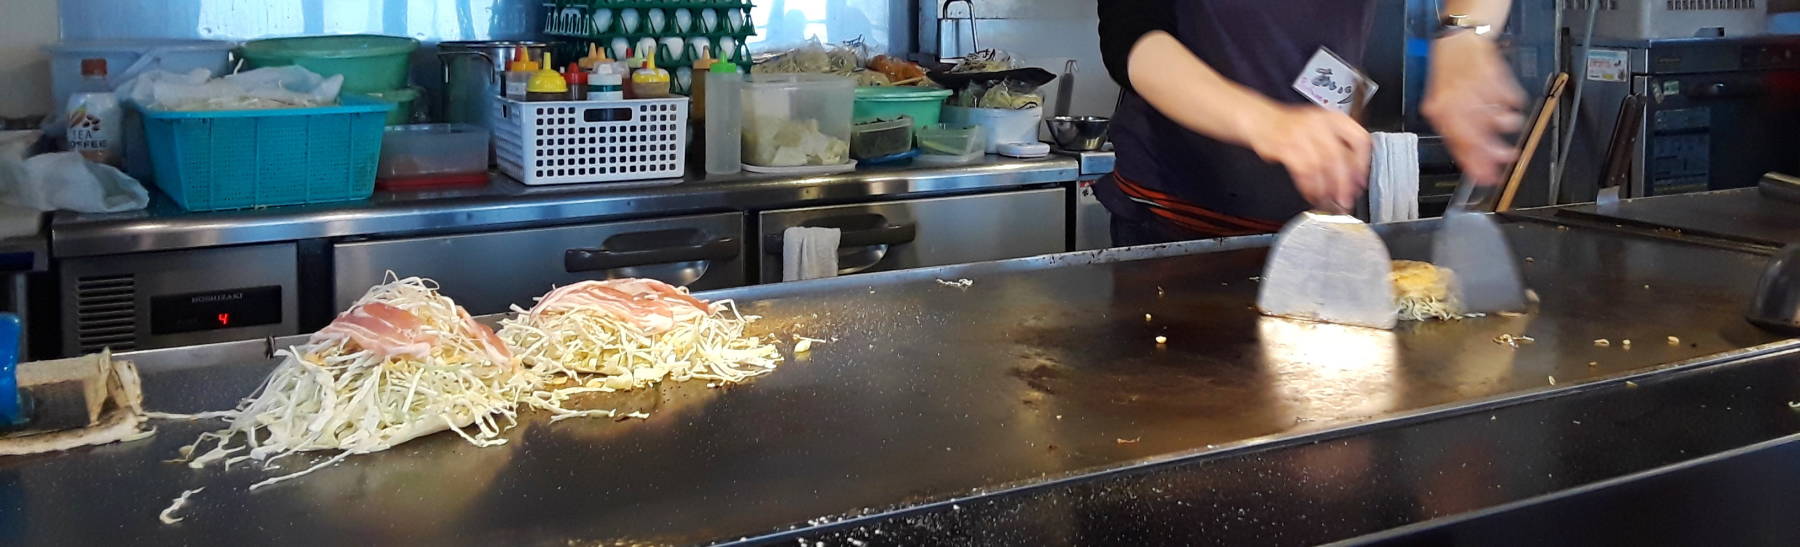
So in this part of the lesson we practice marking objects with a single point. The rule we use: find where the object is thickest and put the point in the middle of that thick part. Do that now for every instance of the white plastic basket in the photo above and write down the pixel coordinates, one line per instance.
(566, 142)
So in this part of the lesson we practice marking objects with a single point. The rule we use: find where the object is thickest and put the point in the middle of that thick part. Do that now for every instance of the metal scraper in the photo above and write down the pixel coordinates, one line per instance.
(1332, 268)
(1471, 245)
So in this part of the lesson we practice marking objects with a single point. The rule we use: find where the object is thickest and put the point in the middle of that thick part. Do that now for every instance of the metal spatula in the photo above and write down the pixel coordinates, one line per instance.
(1471, 245)
(1329, 267)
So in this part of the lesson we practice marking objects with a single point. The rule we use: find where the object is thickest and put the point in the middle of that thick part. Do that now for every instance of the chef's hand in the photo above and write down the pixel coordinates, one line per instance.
(1473, 102)
(1324, 151)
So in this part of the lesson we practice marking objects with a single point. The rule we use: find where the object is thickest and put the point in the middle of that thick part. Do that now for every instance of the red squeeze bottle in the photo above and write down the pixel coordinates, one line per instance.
(577, 80)
(630, 54)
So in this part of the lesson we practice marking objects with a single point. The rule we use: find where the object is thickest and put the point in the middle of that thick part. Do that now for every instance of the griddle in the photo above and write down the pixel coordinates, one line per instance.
(1742, 216)
(1043, 371)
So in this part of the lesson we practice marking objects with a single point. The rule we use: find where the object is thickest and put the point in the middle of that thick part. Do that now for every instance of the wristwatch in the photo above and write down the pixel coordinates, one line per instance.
(1455, 24)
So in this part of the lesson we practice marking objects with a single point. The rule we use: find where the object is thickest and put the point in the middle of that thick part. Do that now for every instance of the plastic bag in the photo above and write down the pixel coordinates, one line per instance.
(272, 87)
(68, 181)
(811, 58)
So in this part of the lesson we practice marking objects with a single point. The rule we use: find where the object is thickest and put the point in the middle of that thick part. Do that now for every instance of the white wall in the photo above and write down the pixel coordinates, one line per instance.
(24, 68)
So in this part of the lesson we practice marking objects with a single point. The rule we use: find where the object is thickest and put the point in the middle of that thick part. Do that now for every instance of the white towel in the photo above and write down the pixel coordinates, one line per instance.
(809, 253)
(1394, 177)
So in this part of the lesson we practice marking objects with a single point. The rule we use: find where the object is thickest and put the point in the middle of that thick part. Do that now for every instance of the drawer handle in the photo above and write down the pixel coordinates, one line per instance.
(856, 231)
(588, 260)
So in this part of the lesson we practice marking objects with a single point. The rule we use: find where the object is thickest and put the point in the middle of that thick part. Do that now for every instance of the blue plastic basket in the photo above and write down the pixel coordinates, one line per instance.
(235, 159)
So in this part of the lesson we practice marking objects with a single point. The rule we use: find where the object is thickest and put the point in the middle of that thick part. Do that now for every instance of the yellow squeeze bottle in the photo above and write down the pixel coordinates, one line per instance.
(546, 84)
(650, 82)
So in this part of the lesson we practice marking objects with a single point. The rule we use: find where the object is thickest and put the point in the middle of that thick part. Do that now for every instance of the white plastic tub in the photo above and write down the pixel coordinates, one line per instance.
(1000, 125)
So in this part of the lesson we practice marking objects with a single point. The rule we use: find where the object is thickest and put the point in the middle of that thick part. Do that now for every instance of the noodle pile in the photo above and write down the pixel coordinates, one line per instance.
(1423, 291)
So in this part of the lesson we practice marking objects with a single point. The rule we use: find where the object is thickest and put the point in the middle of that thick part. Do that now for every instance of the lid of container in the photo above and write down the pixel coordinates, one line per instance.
(93, 67)
(801, 80)
(900, 93)
(348, 46)
(594, 57)
(897, 122)
(395, 95)
(650, 74)
(489, 44)
(723, 67)
(521, 61)
(574, 75)
(1024, 149)
(97, 47)
(546, 80)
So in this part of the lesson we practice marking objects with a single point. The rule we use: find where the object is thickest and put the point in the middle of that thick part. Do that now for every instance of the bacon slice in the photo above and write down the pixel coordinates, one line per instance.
(490, 342)
(380, 328)
(651, 306)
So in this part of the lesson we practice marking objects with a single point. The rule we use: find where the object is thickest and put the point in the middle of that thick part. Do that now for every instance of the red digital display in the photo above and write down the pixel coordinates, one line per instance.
(210, 310)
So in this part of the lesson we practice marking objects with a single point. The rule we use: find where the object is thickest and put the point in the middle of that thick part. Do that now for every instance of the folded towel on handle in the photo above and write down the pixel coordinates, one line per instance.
(1394, 177)
(809, 253)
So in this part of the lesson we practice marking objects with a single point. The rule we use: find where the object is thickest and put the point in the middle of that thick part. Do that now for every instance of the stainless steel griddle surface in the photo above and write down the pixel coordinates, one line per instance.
(1744, 215)
(1044, 368)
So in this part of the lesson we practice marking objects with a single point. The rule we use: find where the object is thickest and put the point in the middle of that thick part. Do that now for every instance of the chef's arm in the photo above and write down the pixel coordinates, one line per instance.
(1324, 151)
(1471, 96)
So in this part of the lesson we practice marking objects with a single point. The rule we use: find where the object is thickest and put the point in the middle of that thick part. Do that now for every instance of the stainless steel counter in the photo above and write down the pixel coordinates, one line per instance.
(1742, 217)
(932, 396)
(505, 203)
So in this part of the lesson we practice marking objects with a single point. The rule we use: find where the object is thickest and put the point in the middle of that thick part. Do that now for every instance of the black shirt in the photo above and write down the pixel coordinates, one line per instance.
(1261, 44)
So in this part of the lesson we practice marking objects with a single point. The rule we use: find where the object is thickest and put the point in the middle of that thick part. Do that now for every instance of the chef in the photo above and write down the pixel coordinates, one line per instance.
(1234, 112)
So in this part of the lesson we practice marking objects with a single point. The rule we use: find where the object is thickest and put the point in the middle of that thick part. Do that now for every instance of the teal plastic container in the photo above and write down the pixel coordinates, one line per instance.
(885, 103)
(236, 159)
(368, 62)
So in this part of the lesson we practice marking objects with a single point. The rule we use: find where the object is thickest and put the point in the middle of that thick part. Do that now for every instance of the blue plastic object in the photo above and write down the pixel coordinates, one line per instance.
(890, 158)
(12, 401)
(235, 159)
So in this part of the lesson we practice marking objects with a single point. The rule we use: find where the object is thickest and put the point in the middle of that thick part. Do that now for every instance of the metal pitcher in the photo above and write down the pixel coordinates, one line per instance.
(474, 73)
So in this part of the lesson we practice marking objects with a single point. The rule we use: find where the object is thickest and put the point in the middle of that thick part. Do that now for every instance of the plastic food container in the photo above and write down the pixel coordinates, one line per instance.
(881, 138)
(368, 62)
(922, 104)
(1000, 125)
(126, 59)
(951, 140)
(945, 144)
(793, 120)
(234, 159)
(432, 155)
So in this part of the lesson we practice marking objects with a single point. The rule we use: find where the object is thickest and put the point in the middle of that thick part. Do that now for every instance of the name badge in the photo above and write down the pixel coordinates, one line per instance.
(1333, 83)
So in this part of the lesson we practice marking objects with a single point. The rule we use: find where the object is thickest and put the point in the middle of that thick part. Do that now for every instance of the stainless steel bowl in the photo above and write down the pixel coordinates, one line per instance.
(1776, 304)
(1078, 133)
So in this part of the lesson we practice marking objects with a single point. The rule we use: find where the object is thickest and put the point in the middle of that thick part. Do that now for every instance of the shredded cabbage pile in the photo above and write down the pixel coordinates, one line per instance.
(448, 372)
(595, 350)
(333, 395)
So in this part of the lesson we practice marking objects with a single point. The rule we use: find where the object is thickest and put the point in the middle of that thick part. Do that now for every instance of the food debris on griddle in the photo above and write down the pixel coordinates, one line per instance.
(1514, 341)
